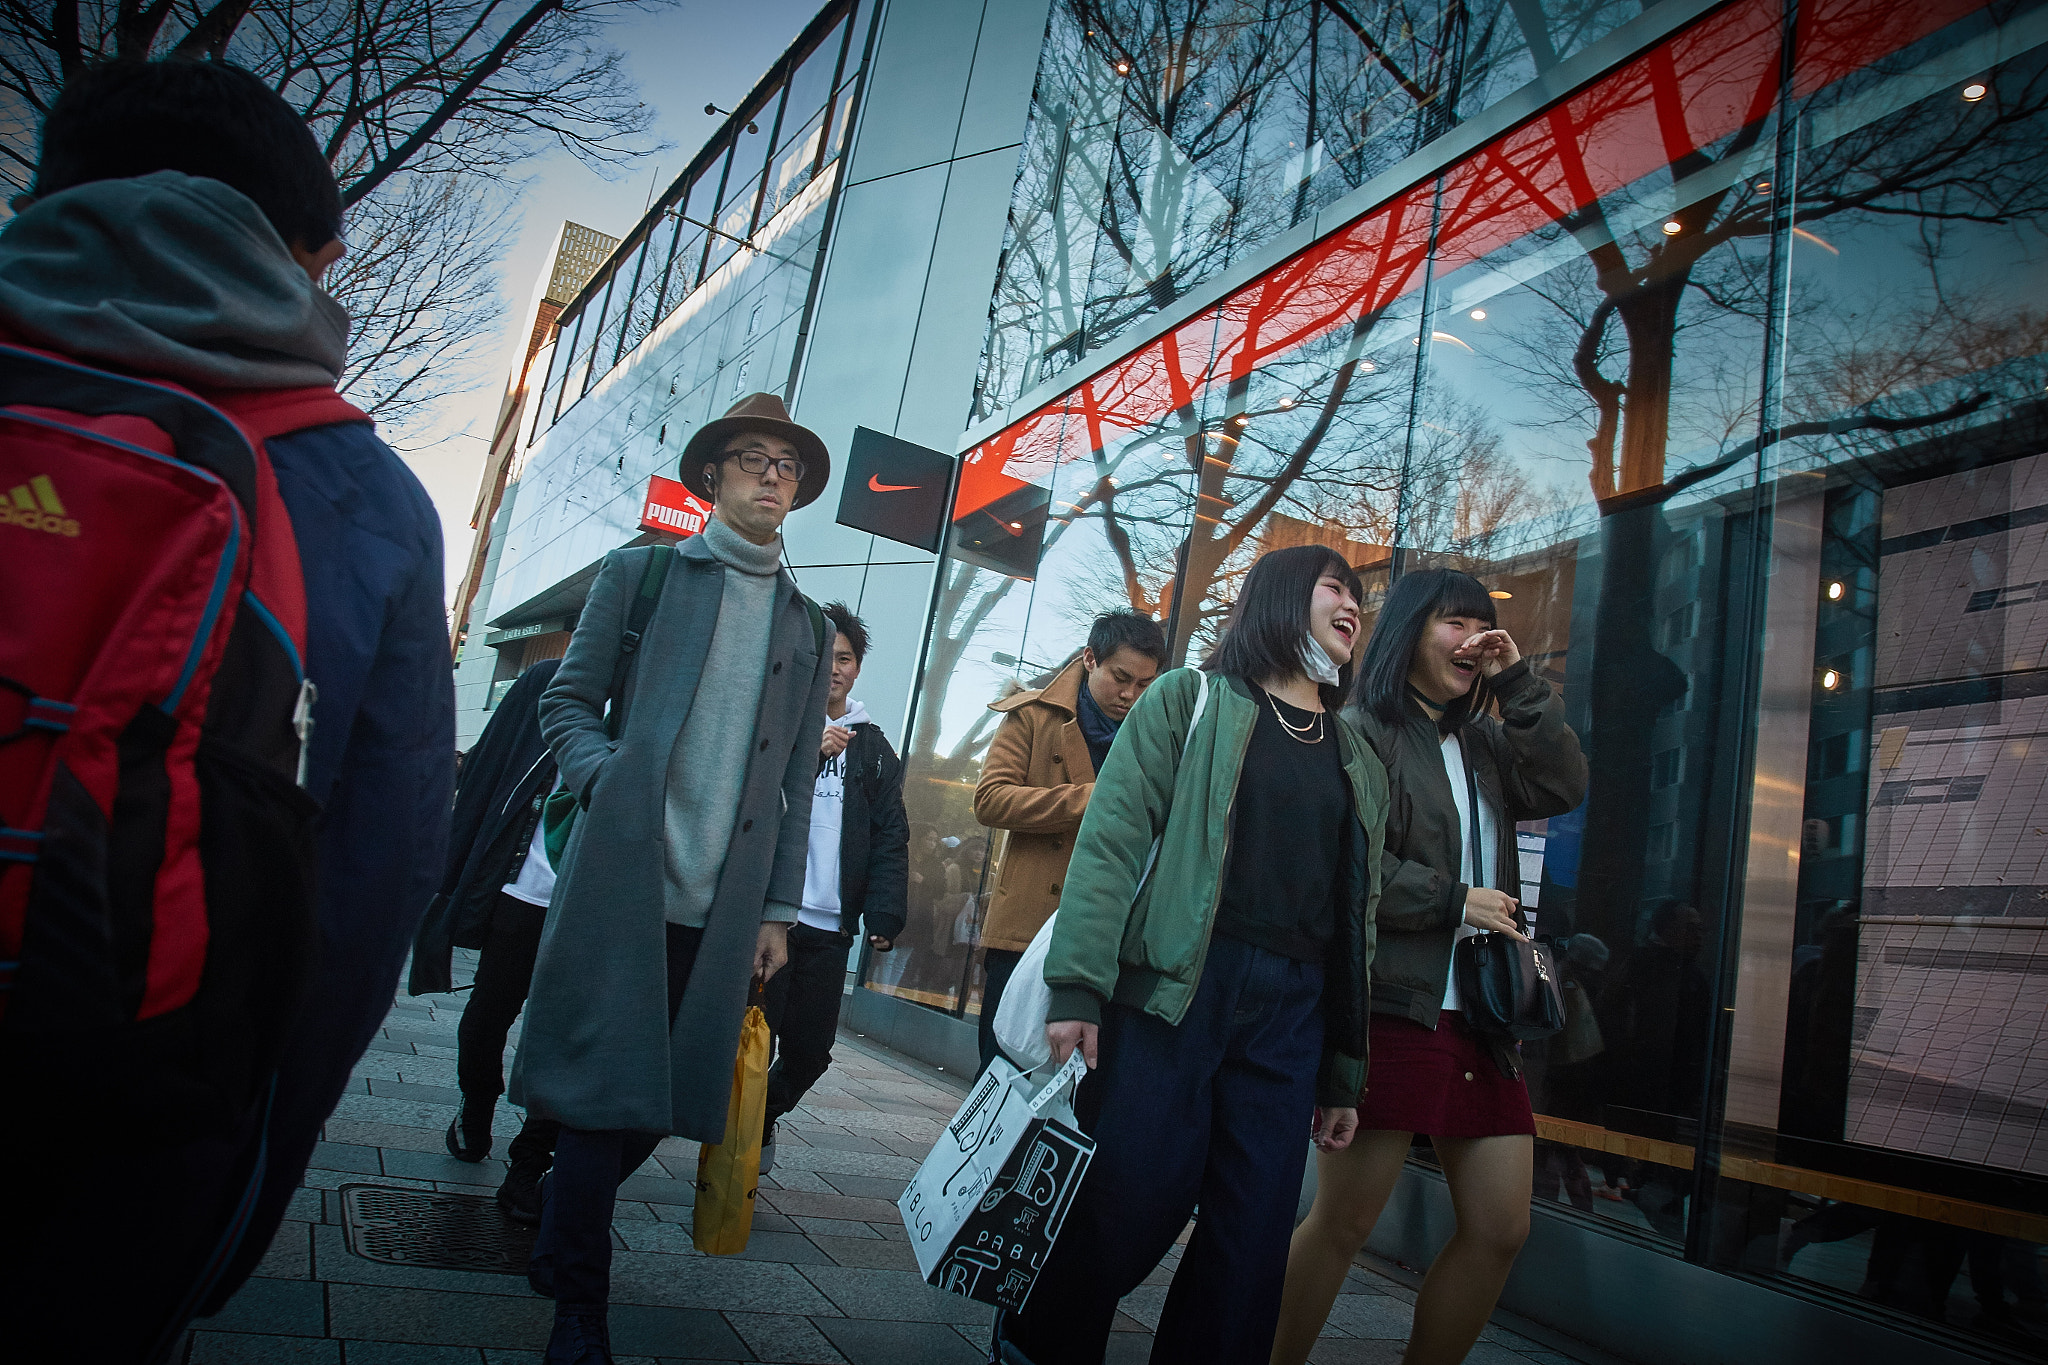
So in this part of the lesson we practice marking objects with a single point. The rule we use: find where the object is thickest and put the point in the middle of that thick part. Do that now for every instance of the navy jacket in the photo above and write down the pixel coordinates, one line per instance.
(382, 767)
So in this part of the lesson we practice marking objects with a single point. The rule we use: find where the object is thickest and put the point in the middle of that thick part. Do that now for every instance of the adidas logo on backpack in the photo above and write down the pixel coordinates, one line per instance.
(156, 852)
(36, 506)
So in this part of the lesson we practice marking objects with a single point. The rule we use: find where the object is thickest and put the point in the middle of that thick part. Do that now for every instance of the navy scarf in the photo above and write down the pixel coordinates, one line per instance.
(1096, 727)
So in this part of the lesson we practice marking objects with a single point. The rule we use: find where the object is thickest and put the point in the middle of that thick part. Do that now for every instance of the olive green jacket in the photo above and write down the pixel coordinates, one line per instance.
(1141, 941)
(1528, 767)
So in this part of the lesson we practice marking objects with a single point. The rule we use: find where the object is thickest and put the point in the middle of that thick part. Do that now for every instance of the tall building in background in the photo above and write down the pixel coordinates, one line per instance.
(1708, 334)
(577, 254)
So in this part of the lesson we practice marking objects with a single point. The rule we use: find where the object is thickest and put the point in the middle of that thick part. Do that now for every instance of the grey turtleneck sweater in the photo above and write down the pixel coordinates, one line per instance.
(707, 769)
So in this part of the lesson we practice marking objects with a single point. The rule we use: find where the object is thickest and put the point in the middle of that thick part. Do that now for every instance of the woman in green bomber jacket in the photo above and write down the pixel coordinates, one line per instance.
(1436, 661)
(1219, 989)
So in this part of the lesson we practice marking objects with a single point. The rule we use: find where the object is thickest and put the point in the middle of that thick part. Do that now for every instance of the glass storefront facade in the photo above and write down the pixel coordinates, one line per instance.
(704, 301)
(1724, 361)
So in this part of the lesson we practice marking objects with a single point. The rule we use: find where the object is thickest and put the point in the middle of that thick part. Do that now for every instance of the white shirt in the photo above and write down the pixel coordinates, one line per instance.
(820, 908)
(1489, 847)
(535, 883)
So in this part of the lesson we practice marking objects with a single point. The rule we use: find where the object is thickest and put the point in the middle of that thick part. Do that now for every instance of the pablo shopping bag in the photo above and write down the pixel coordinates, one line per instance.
(989, 1201)
(729, 1173)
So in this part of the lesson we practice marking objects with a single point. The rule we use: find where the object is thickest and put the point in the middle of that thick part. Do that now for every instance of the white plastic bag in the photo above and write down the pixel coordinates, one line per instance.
(1020, 1018)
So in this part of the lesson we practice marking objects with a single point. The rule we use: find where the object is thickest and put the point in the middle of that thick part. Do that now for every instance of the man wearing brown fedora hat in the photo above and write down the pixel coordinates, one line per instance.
(686, 719)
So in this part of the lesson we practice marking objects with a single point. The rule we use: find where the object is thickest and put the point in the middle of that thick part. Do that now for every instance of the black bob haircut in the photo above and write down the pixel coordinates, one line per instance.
(851, 628)
(1270, 620)
(1415, 600)
(1115, 630)
(128, 118)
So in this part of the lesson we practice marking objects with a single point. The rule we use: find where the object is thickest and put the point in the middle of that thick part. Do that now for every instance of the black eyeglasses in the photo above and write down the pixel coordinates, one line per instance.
(754, 462)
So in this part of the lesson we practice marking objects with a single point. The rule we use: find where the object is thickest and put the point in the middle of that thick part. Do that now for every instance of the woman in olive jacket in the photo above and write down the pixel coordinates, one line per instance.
(1436, 661)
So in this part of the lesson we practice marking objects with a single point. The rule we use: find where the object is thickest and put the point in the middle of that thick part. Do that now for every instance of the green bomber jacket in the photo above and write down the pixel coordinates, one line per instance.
(1141, 941)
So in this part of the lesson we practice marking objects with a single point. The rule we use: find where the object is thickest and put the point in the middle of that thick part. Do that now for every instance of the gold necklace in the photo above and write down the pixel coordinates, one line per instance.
(1295, 732)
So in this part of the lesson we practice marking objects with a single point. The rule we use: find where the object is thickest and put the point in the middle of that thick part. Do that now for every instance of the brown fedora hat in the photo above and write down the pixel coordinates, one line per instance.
(756, 412)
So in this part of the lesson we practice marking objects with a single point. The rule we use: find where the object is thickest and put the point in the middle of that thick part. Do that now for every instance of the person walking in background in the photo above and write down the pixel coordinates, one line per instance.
(858, 870)
(1221, 997)
(1436, 662)
(685, 865)
(494, 898)
(181, 221)
(1035, 782)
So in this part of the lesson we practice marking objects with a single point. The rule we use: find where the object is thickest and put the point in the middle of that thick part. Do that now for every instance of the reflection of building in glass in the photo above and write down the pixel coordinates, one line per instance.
(1742, 427)
(1952, 993)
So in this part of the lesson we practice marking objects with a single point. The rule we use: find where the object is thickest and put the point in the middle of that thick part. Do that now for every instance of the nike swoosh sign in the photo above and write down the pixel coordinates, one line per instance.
(875, 482)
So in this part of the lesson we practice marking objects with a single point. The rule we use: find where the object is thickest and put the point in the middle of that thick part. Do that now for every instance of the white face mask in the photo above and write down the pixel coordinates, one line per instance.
(1317, 663)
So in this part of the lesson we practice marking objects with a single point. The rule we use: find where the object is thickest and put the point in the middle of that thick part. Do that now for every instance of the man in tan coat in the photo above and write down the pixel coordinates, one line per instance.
(1035, 783)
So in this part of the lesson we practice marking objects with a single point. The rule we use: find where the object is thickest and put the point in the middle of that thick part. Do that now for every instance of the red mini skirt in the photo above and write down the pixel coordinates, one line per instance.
(1441, 1082)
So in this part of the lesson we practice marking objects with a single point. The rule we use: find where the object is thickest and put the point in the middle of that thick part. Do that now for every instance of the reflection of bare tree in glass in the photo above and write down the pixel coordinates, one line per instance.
(1169, 138)
(1934, 166)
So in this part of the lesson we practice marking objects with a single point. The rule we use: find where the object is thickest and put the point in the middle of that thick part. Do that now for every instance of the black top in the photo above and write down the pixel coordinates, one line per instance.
(1287, 835)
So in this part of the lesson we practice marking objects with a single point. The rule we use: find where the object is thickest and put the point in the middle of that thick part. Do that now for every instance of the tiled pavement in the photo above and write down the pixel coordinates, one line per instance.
(827, 1277)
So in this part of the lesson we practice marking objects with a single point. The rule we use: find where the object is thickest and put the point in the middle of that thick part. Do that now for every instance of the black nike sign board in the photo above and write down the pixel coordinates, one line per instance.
(896, 490)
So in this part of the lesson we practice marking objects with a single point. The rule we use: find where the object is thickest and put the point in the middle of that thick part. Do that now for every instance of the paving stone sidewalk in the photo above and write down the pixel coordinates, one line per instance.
(827, 1277)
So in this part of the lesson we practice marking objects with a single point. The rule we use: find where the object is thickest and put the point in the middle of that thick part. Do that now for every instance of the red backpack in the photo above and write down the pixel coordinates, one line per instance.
(156, 852)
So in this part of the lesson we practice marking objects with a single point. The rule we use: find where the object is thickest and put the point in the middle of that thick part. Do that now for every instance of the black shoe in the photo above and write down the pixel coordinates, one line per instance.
(469, 1134)
(540, 1270)
(519, 1196)
(768, 1148)
(581, 1337)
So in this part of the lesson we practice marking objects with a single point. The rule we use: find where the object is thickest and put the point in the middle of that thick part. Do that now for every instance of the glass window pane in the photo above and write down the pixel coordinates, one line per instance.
(686, 263)
(809, 87)
(625, 282)
(549, 363)
(1501, 45)
(734, 224)
(1906, 621)
(792, 168)
(565, 355)
(642, 310)
(584, 369)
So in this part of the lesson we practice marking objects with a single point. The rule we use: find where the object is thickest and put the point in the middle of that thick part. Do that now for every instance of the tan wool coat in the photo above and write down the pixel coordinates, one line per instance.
(1035, 784)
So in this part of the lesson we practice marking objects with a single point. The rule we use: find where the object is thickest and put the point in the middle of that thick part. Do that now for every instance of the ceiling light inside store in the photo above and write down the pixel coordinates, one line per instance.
(1478, 315)
(1241, 420)
(1763, 187)
(1672, 227)
(1975, 90)
(1823, 245)
(1287, 402)
(1829, 679)
(1500, 594)
(1367, 366)
(1123, 68)
(1835, 591)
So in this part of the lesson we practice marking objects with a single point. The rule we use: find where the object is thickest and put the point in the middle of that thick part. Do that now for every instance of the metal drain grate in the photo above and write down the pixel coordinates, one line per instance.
(427, 1228)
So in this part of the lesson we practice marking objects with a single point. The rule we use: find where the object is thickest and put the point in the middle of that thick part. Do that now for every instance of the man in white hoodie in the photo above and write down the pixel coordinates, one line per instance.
(858, 868)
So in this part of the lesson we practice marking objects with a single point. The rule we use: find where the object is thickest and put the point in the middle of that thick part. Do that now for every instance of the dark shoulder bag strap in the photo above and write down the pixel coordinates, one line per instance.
(817, 624)
(1478, 842)
(637, 617)
(1472, 813)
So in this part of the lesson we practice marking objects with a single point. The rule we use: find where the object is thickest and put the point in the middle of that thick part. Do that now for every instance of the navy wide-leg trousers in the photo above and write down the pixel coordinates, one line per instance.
(1215, 1112)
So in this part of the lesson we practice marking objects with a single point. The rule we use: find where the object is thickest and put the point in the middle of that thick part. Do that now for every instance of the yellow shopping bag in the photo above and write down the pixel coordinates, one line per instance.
(729, 1173)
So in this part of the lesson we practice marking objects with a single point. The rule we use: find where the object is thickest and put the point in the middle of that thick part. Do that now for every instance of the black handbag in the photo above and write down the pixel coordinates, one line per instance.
(1508, 987)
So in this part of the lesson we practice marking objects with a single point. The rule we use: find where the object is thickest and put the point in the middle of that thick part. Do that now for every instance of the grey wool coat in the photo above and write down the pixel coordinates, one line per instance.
(596, 1051)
